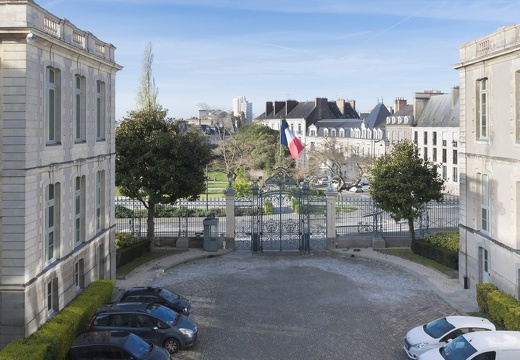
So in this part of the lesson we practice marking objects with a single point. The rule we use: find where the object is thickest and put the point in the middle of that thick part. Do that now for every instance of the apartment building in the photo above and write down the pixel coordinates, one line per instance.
(57, 117)
(243, 108)
(489, 153)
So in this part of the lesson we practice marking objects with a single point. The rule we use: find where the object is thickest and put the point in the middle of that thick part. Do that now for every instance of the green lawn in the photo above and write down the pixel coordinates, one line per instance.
(126, 269)
(409, 255)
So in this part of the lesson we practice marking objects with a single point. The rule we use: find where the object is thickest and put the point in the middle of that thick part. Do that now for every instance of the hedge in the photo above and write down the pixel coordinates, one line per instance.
(436, 253)
(502, 308)
(132, 252)
(54, 338)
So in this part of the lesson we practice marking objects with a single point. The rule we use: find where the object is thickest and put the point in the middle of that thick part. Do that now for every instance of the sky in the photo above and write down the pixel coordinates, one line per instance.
(207, 52)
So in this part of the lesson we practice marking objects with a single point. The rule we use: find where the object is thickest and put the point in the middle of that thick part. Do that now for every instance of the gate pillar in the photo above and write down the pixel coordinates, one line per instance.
(230, 218)
(331, 218)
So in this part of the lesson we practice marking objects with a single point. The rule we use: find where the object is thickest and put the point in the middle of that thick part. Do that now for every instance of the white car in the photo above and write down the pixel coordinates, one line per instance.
(494, 345)
(439, 332)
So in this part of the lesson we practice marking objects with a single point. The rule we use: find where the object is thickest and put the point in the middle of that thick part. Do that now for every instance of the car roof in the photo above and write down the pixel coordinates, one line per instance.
(144, 289)
(493, 339)
(102, 337)
(123, 307)
(470, 321)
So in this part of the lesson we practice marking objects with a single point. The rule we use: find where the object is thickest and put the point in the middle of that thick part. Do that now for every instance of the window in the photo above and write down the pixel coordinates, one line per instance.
(445, 172)
(100, 200)
(79, 210)
(425, 153)
(100, 111)
(52, 297)
(482, 109)
(415, 136)
(444, 156)
(455, 174)
(325, 132)
(455, 157)
(313, 133)
(444, 139)
(434, 154)
(52, 222)
(484, 204)
(434, 138)
(80, 126)
(79, 278)
(312, 146)
(425, 138)
(299, 129)
(52, 101)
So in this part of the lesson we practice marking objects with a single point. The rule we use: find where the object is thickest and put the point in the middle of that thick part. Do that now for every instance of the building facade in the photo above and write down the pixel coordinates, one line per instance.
(242, 107)
(489, 153)
(57, 120)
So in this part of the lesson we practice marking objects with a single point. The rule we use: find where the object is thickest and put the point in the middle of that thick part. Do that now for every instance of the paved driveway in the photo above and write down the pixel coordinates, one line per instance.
(321, 306)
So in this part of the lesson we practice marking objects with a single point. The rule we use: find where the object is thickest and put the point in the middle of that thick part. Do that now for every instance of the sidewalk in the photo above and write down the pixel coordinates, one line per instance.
(449, 289)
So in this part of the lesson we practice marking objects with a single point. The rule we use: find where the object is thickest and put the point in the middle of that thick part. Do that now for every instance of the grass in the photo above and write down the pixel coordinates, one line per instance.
(123, 271)
(409, 255)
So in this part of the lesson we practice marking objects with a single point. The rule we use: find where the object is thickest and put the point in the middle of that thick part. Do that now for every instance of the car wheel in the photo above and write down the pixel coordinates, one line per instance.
(172, 345)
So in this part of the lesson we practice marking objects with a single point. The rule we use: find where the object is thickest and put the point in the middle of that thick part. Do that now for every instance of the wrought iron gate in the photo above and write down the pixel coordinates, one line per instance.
(286, 217)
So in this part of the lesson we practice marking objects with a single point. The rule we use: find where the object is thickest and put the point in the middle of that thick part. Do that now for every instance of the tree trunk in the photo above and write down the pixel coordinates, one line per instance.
(411, 229)
(150, 228)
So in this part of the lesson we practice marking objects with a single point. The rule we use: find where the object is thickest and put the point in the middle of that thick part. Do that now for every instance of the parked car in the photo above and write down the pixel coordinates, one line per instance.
(488, 345)
(439, 332)
(356, 189)
(101, 345)
(158, 295)
(154, 323)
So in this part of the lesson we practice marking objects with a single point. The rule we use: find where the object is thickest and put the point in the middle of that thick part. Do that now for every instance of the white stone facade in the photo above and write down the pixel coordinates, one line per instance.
(489, 72)
(57, 117)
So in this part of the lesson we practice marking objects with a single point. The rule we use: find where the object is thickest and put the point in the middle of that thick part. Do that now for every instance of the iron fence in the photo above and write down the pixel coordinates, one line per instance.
(183, 219)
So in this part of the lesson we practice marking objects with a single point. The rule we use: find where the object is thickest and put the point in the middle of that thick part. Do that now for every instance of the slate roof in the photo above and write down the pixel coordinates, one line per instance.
(439, 112)
(337, 124)
(377, 116)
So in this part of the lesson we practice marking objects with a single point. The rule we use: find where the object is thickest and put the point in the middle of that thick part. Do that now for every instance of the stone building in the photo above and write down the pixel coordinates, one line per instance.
(57, 117)
(489, 153)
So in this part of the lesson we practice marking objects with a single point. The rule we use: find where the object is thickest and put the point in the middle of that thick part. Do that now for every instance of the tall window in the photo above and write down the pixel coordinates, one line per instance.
(482, 108)
(434, 154)
(100, 110)
(100, 200)
(444, 156)
(79, 210)
(445, 172)
(52, 101)
(51, 222)
(434, 138)
(80, 122)
(425, 138)
(425, 153)
(79, 279)
(455, 157)
(52, 297)
(299, 129)
(484, 204)
(455, 174)
(416, 136)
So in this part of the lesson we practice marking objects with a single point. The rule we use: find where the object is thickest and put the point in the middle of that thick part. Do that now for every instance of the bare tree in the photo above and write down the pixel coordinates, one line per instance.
(147, 92)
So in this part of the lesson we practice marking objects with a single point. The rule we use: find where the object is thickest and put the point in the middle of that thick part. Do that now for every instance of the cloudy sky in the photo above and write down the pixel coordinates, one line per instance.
(210, 51)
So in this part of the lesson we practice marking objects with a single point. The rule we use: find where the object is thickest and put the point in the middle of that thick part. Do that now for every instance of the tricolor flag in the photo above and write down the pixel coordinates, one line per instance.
(288, 139)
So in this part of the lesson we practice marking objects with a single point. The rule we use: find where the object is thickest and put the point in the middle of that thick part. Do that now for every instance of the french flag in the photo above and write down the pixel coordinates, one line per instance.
(288, 139)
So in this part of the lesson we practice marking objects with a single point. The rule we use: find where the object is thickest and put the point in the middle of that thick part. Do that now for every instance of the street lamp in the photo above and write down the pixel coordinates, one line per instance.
(230, 177)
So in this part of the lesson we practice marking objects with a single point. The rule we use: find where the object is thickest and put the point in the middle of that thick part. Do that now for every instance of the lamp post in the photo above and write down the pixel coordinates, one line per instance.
(230, 178)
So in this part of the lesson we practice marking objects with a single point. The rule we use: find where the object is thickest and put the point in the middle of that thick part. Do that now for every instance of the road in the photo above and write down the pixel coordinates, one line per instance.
(319, 306)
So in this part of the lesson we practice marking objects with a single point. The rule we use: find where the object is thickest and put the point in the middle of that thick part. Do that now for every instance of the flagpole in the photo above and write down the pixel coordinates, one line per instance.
(280, 142)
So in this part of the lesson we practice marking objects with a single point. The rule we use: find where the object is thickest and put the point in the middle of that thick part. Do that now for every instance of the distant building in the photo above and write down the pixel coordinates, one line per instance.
(57, 165)
(241, 107)
(489, 143)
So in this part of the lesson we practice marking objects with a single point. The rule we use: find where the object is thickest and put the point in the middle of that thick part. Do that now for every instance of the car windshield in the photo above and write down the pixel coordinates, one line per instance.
(168, 295)
(137, 346)
(163, 313)
(438, 328)
(458, 349)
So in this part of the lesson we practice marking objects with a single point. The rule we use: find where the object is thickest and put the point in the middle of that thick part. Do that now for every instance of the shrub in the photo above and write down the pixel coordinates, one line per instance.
(447, 240)
(436, 253)
(483, 290)
(124, 240)
(500, 304)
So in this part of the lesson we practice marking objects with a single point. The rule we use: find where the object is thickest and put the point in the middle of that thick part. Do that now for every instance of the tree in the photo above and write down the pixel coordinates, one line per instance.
(148, 92)
(157, 163)
(402, 182)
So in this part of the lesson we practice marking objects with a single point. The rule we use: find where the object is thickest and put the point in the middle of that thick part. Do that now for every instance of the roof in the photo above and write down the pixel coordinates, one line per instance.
(492, 339)
(99, 337)
(377, 116)
(128, 306)
(439, 112)
(406, 111)
(470, 321)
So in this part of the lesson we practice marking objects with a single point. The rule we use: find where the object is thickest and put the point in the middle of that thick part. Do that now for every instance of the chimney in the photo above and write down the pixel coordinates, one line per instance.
(353, 104)
(419, 102)
(289, 105)
(340, 103)
(268, 108)
(455, 92)
(400, 104)
(278, 105)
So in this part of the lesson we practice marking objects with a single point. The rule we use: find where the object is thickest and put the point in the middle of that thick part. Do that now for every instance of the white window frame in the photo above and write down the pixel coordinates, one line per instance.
(100, 200)
(483, 109)
(52, 102)
(79, 210)
(80, 118)
(79, 277)
(484, 203)
(50, 224)
(100, 111)
(52, 297)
